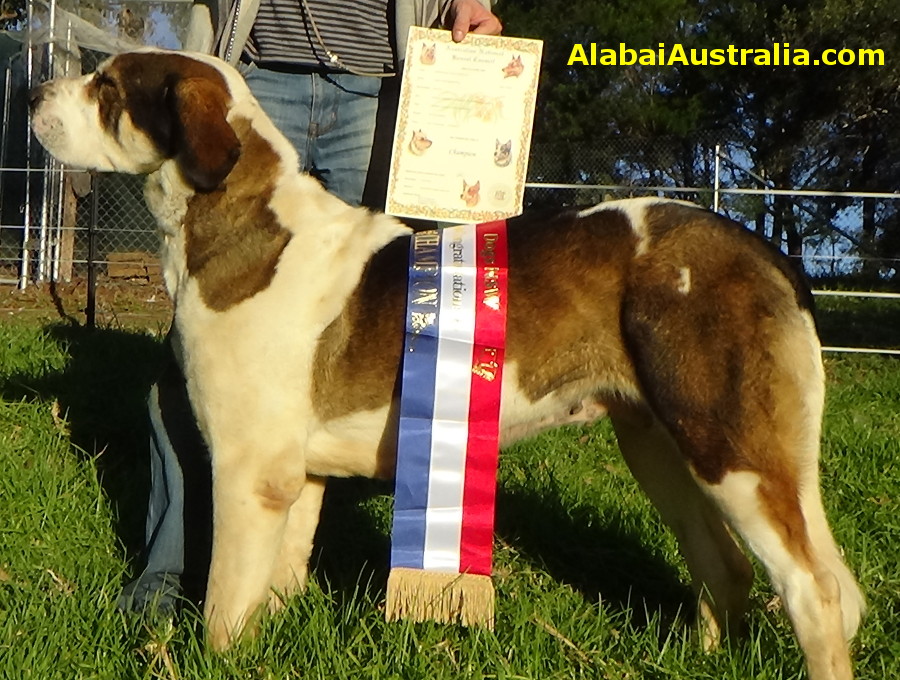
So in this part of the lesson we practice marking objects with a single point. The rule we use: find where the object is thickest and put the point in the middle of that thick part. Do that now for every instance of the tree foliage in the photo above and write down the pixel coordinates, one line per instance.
(833, 127)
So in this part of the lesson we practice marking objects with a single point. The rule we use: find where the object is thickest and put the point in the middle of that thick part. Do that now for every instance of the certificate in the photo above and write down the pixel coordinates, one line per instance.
(463, 127)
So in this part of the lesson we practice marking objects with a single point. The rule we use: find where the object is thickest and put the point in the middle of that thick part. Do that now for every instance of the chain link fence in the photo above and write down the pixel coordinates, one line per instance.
(123, 222)
(64, 210)
(54, 222)
(110, 208)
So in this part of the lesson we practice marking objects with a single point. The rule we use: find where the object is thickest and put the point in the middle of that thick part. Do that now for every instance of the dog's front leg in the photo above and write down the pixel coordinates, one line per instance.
(292, 564)
(252, 498)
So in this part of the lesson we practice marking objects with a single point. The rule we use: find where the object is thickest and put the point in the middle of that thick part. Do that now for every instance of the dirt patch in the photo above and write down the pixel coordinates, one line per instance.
(119, 304)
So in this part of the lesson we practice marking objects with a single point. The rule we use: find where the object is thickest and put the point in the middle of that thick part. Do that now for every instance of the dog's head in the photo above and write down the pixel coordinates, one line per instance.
(140, 109)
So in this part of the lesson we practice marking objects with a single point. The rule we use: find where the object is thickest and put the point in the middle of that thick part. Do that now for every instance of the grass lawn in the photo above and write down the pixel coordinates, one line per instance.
(589, 582)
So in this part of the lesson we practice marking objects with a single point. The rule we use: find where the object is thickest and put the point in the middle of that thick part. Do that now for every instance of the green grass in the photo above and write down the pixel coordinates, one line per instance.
(589, 583)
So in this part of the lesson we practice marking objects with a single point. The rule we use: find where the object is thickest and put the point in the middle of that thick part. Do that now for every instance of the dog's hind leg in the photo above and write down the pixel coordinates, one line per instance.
(769, 492)
(773, 500)
(757, 459)
(731, 365)
(252, 498)
(292, 564)
(721, 574)
(853, 605)
(771, 518)
(746, 412)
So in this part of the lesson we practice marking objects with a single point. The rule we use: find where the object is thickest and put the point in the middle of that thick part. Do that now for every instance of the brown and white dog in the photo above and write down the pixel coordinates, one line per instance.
(695, 336)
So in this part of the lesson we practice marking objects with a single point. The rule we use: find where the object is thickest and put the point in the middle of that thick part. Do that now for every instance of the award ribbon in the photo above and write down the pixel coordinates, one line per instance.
(449, 426)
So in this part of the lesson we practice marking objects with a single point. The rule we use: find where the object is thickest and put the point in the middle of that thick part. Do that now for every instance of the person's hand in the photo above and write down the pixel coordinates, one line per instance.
(471, 15)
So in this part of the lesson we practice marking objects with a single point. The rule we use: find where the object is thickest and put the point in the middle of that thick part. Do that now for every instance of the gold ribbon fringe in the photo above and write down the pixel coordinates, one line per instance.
(420, 595)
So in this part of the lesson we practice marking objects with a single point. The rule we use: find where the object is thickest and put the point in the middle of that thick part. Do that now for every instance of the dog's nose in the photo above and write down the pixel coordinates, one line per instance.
(35, 96)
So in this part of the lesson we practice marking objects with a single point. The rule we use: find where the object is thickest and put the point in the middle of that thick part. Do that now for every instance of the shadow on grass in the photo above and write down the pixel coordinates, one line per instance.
(102, 392)
(601, 560)
(352, 550)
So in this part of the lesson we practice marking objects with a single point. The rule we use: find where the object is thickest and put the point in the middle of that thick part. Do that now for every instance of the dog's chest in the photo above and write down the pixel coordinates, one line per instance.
(259, 356)
(167, 198)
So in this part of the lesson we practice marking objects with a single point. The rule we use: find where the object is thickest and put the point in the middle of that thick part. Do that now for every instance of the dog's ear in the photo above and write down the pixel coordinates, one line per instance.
(207, 148)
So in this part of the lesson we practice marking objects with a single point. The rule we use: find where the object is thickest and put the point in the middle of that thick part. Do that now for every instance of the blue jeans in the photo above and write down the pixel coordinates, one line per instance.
(330, 120)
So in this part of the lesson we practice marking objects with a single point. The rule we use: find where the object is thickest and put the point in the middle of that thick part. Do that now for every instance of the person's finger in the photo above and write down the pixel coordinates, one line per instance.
(472, 16)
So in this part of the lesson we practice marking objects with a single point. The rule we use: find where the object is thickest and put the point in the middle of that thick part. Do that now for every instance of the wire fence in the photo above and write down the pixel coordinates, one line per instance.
(55, 222)
(51, 240)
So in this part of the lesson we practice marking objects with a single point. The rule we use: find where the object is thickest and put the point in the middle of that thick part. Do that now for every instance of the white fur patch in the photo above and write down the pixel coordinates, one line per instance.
(684, 280)
(635, 209)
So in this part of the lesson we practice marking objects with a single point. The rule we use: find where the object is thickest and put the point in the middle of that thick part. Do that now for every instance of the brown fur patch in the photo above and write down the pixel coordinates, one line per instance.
(567, 276)
(233, 240)
(704, 356)
(110, 102)
(588, 318)
(208, 148)
(139, 84)
(358, 355)
(779, 498)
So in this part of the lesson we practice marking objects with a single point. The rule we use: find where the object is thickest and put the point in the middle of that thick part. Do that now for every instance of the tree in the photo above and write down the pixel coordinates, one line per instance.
(806, 126)
(580, 102)
(604, 125)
